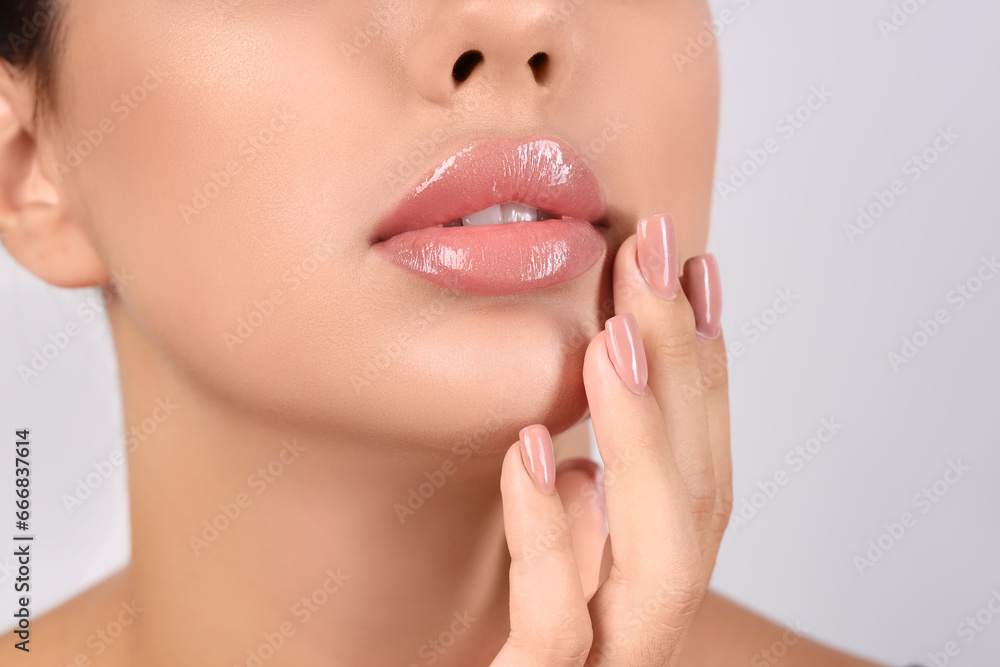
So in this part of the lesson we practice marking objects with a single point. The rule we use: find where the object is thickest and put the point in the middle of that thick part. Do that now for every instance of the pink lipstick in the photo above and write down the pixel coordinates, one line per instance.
(499, 217)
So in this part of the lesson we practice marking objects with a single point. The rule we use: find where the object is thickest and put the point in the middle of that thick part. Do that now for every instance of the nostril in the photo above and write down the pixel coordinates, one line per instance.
(539, 66)
(465, 64)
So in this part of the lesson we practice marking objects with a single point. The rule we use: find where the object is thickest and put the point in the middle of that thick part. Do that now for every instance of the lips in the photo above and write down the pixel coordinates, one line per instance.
(507, 258)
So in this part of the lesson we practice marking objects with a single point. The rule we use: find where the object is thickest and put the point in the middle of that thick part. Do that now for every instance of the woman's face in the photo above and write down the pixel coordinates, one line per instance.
(236, 160)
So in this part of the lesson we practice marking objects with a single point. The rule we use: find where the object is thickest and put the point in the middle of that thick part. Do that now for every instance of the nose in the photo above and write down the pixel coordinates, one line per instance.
(519, 47)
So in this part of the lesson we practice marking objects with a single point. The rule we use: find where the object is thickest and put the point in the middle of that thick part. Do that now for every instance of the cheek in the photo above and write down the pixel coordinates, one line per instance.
(228, 185)
(230, 252)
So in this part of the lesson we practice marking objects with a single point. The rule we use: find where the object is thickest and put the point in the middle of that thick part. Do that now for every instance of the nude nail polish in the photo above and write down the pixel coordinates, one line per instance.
(656, 252)
(704, 291)
(538, 457)
(624, 344)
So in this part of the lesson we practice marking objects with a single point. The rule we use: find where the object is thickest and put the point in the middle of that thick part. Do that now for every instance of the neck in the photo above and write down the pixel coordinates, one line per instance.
(300, 548)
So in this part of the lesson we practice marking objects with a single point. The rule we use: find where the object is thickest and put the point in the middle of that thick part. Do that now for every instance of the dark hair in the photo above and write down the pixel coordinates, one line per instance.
(28, 30)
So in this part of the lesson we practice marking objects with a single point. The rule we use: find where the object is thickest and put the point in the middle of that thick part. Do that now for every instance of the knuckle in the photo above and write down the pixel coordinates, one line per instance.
(703, 510)
(722, 511)
(698, 471)
(564, 641)
(675, 346)
(657, 622)
(670, 627)
(715, 376)
(572, 653)
(655, 642)
(689, 584)
(701, 491)
(649, 653)
(690, 592)
(724, 503)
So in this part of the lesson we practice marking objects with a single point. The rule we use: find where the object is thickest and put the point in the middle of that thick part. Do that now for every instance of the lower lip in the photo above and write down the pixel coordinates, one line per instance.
(498, 260)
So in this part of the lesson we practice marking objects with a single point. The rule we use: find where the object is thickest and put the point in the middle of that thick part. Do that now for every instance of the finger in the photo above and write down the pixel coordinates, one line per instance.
(646, 503)
(702, 284)
(657, 559)
(580, 485)
(549, 620)
(646, 283)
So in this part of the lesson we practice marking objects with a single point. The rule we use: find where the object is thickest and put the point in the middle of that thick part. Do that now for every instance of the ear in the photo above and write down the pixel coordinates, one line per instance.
(36, 226)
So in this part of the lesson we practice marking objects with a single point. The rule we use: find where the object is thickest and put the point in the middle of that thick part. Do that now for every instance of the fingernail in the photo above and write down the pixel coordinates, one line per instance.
(704, 290)
(538, 457)
(657, 254)
(625, 349)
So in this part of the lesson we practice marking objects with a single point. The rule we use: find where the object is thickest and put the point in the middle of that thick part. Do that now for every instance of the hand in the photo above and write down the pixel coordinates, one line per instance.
(663, 432)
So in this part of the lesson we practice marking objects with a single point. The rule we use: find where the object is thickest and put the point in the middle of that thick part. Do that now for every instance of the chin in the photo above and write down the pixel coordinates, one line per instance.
(477, 377)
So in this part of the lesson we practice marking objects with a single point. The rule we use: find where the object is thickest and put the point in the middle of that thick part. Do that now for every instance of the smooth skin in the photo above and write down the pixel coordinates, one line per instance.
(668, 454)
(326, 548)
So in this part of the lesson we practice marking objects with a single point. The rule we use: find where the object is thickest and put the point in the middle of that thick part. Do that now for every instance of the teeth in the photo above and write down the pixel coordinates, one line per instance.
(498, 214)
(488, 216)
(517, 212)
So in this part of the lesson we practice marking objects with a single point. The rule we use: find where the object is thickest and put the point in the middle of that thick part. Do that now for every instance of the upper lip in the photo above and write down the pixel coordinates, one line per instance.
(539, 171)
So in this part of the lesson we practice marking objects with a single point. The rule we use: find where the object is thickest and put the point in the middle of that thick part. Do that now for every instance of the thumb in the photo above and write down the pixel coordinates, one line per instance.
(549, 620)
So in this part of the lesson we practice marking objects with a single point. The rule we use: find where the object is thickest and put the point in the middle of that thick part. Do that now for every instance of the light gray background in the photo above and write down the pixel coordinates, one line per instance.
(826, 357)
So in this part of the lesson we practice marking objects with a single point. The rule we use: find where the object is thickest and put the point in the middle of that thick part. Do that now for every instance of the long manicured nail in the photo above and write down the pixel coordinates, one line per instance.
(538, 457)
(624, 344)
(704, 290)
(657, 254)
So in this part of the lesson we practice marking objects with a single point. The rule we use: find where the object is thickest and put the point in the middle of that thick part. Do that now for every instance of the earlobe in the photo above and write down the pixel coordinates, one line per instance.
(36, 226)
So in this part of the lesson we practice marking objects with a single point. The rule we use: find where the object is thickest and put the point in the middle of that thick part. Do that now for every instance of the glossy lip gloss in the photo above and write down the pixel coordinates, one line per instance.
(500, 259)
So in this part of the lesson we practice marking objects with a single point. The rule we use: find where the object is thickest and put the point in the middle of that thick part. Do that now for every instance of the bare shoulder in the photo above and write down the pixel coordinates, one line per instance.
(724, 633)
(89, 630)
